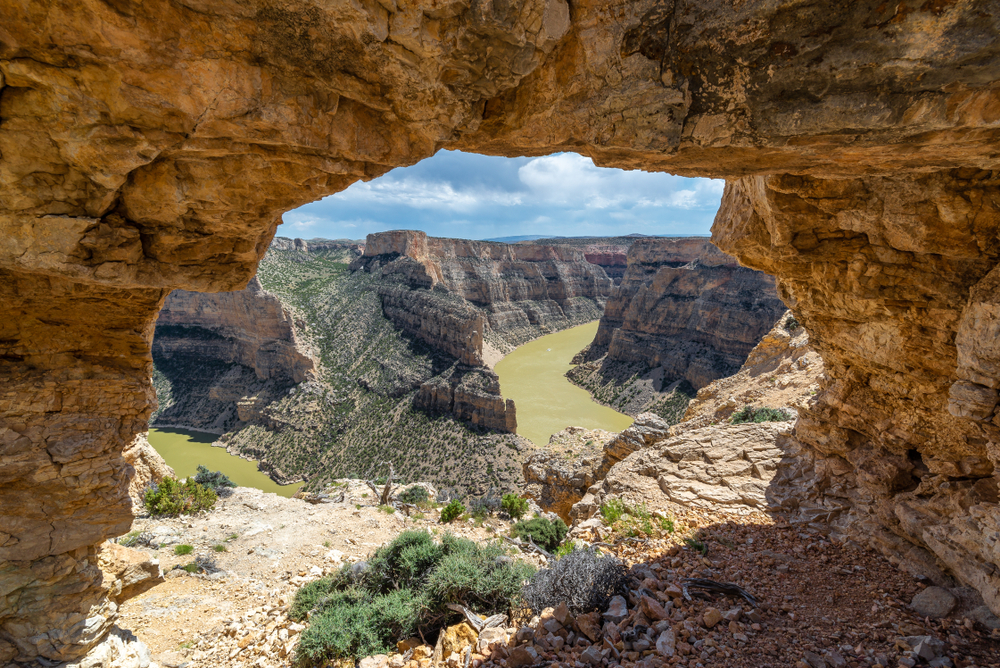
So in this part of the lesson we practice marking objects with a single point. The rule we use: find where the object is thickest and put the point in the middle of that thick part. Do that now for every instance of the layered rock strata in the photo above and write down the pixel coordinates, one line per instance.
(459, 295)
(149, 147)
(688, 308)
(894, 279)
(475, 300)
(472, 395)
(249, 327)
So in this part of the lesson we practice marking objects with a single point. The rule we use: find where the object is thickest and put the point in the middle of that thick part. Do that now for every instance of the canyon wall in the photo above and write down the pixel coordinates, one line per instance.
(687, 307)
(475, 301)
(894, 280)
(459, 295)
(250, 327)
(151, 147)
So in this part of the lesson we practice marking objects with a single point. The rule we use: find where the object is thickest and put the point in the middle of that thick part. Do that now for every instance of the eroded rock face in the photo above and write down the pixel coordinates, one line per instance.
(892, 277)
(506, 293)
(153, 147)
(782, 371)
(685, 306)
(149, 469)
(251, 328)
(722, 466)
(471, 394)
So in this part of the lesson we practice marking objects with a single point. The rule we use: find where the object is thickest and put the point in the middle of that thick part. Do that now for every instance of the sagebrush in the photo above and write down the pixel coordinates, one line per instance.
(171, 497)
(546, 534)
(403, 591)
(514, 506)
(217, 481)
(749, 414)
(413, 495)
(584, 579)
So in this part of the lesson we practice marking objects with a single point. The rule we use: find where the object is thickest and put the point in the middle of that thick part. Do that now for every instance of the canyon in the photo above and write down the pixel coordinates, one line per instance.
(154, 147)
(683, 315)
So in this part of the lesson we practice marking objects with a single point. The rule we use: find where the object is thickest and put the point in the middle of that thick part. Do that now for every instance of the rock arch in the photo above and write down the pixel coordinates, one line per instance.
(152, 146)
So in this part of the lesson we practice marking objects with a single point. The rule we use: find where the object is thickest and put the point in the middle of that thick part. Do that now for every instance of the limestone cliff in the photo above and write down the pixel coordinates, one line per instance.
(154, 146)
(248, 327)
(214, 351)
(685, 306)
(461, 296)
(683, 315)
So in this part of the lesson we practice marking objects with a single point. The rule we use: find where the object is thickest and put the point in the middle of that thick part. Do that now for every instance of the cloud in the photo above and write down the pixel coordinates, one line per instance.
(460, 194)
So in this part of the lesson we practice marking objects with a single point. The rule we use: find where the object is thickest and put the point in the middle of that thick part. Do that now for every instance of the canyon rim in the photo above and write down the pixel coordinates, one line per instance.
(152, 147)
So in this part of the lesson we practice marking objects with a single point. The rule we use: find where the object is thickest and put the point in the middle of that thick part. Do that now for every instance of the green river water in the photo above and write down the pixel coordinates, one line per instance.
(534, 377)
(184, 450)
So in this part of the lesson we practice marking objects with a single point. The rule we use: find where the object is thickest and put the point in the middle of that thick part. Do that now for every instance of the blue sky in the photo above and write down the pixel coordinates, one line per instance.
(469, 196)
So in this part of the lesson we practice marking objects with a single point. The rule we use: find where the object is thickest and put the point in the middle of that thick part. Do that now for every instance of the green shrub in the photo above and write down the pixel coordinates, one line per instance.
(749, 414)
(217, 481)
(413, 495)
(171, 497)
(564, 549)
(546, 534)
(452, 511)
(613, 510)
(183, 549)
(514, 506)
(193, 567)
(219, 548)
(402, 591)
(791, 324)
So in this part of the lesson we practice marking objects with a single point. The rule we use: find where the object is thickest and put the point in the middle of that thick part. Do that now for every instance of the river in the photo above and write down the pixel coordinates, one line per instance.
(534, 376)
(184, 450)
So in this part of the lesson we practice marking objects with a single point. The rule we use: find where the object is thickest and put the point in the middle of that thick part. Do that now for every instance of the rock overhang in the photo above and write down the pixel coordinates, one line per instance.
(155, 146)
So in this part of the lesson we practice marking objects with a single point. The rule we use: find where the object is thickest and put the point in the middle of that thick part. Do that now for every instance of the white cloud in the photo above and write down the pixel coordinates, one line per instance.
(422, 194)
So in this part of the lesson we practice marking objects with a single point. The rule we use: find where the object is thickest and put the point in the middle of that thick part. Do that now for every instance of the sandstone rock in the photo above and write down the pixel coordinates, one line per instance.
(685, 306)
(377, 661)
(127, 572)
(589, 624)
(723, 465)
(617, 610)
(934, 602)
(522, 656)
(134, 171)
(150, 468)
(666, 643)
(489, 637)
(711, 617)
(783, 370)
(457, 638)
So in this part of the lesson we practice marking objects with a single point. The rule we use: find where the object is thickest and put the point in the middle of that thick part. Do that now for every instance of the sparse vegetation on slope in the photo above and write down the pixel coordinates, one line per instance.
(359, 408)
(403, 590)
(633, 388)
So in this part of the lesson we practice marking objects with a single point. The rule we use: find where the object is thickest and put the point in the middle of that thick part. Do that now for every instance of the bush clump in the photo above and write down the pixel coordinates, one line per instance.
(403, 590)
(452, 511)
(171, 497)
(413, 495)
(514, 506)
(749, 414)
(546, 534)
(584, 579)
(612, 510)
(217, 481)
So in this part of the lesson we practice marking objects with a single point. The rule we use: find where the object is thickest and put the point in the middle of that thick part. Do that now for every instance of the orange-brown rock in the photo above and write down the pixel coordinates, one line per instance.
(149, 147)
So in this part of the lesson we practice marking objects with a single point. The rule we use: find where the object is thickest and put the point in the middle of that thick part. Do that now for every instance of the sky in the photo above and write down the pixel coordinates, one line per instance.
(454, 194)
